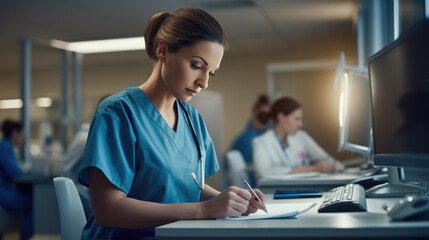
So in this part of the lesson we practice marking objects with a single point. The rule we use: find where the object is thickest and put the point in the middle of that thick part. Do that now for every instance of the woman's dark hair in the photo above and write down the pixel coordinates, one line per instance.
(284, 105)
(182, 28)
(262, 100)
(8, 126)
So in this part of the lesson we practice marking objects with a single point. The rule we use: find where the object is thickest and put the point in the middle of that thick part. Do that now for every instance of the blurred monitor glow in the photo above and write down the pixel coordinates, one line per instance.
(35, 150)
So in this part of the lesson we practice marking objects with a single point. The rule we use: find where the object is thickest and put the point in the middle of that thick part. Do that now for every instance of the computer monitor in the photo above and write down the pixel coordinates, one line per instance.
(399, 83)
(355, 113)
(354, 108)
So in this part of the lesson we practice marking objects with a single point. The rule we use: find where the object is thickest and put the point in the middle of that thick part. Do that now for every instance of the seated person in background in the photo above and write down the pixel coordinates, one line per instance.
(254, 128)
(73, 159)
(10, 197)
(286, 149)
(71, 165)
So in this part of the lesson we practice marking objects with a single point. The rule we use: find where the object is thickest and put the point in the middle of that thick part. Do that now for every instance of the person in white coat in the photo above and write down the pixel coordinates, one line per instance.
(286, 149)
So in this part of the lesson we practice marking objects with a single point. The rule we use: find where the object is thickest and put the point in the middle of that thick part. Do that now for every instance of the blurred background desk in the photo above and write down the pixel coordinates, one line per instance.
(323, 183)
(46, 217)
(373, 224)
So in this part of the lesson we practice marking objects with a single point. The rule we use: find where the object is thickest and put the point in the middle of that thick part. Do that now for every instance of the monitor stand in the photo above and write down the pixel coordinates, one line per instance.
(394, 188)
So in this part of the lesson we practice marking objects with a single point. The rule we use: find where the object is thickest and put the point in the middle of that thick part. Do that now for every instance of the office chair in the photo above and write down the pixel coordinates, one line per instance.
(72, 215)
(237, 168)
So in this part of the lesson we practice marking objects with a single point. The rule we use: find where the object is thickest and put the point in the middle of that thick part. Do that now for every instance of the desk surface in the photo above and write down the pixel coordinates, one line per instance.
(33, 178)
(374, 223)
(46, 215)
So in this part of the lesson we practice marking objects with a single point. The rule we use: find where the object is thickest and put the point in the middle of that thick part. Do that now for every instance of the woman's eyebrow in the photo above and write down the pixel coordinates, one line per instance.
(202, 59)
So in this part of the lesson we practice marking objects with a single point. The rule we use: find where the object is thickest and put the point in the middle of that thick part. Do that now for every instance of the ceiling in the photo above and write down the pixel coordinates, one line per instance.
(250, 25)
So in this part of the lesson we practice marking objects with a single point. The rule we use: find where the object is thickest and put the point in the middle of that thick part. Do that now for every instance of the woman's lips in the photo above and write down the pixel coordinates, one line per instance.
(192, 92)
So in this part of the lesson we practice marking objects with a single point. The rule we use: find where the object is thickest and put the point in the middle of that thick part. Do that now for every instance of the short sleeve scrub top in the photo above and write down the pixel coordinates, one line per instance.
(139, 153)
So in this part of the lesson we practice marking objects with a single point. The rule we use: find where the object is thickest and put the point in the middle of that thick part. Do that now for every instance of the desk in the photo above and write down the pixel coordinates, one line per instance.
(46, 217)
(359, 225)
(323, 183)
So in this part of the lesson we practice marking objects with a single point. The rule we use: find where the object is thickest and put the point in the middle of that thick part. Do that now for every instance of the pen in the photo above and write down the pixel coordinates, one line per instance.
(254, 194)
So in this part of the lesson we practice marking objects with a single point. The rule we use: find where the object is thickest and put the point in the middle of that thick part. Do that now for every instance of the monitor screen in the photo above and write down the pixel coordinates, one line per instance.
(355, 112)
(399, 82)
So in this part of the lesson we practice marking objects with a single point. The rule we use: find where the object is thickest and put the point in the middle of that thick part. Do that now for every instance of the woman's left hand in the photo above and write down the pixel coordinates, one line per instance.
(254, 204)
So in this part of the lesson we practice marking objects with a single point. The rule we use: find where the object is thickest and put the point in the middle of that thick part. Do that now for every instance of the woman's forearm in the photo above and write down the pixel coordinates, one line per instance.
(132, 213)
(113, 208)
(208, 193)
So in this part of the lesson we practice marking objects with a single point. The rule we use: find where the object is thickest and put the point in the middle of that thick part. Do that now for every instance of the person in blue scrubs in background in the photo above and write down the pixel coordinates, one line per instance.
(141, 151)
(254, 128)
(11, 197)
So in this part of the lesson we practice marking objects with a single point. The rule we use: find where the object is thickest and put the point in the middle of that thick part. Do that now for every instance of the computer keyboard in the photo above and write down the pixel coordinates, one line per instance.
(348, 198)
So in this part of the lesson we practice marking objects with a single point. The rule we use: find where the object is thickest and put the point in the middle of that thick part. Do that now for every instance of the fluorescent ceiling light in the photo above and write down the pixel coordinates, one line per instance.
(44, 102)
(10, 103)
(99, 46)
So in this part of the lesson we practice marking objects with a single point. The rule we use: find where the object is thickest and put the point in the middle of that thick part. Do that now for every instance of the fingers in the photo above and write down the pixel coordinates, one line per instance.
(236, 202)
(260, 194)
(250, 209)
(239, 195)
(328, 166)
(254, 205)
(239, 201)
(238, 208)
(244, 193)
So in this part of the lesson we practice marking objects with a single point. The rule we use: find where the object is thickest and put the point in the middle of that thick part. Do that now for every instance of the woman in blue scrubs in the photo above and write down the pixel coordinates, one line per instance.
(10, 197)
(253, 129)
(146, 142)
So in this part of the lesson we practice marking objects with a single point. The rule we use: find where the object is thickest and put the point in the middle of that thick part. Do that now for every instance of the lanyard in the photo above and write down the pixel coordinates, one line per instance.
(200, 151)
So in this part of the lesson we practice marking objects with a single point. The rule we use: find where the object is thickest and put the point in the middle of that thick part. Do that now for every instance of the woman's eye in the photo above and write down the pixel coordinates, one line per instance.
(195, 66)
(212, 74)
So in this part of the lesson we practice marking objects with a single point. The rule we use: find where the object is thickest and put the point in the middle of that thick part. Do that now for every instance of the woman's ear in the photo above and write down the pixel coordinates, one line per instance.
(280, 117)
(161, 51)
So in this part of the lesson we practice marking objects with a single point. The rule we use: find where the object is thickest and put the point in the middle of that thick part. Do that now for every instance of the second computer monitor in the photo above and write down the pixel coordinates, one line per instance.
(355, 113)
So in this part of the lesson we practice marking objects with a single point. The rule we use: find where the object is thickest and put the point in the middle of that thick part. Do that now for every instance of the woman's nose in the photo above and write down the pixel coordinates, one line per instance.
(203, 82)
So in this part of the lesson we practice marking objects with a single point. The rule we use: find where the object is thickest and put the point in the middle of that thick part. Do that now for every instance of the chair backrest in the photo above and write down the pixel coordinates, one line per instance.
(236, 168)
(72, 215)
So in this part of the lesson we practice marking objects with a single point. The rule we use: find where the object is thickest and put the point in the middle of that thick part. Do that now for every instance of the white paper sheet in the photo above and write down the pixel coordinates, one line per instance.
(276, 211)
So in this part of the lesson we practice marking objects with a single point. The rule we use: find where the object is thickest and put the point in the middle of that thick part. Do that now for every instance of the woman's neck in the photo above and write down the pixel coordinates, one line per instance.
(282, 134)
(157, 92)
(160, 96)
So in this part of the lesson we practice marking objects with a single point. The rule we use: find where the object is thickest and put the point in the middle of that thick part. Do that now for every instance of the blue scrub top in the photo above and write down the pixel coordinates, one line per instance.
(9, 168)
(243, 142)
(130, 142)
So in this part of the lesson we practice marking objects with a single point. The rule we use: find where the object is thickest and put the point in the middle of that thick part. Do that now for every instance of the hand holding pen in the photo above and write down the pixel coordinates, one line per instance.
(255, 196)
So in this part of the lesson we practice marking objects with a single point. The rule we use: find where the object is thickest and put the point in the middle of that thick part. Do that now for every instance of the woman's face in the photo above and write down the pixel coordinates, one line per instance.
(292, 122)
(17, 137)
(187, 71)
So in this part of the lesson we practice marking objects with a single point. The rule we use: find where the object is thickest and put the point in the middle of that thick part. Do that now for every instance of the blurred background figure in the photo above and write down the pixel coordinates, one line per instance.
(11, 197)
(254, 128)
(243, 142)
(71, 164)
(73, 159)
(287, 149)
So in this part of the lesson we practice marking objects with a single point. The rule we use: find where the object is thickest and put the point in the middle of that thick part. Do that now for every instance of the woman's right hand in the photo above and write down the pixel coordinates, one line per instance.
(323, 167)
(232, 202)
